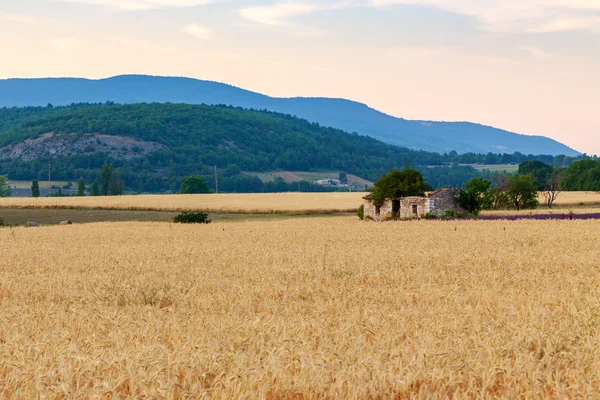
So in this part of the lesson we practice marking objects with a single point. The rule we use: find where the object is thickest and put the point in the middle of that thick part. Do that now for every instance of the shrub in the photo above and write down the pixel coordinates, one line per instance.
(361, 212)
(430, 216)
(192, 218)
(450, 214)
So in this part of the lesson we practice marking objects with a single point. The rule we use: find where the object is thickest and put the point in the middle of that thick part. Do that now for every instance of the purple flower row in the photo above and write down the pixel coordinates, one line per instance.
(540, 217)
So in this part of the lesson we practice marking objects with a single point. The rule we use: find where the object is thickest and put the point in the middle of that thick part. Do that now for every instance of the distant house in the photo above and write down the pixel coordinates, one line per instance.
(437, 203)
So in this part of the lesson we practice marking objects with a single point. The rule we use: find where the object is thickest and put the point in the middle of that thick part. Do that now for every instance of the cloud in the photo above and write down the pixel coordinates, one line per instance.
(138, 5)
(198, 31)
(281, 13)
(591, 23)
(21, 19)
(535, 52)
(63, 44)
(278, 14)
(518, 15)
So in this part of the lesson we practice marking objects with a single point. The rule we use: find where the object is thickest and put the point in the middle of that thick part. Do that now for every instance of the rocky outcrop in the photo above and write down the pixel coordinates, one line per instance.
(52, 145)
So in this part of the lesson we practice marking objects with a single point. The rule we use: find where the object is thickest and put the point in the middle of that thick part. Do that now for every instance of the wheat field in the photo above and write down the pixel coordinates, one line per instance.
(338, 202)
(301, 308)
(249, 203)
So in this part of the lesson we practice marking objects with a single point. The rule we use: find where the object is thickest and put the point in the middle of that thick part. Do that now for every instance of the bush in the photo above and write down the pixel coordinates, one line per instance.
(192, 218)
(361, 212)
(430, 216)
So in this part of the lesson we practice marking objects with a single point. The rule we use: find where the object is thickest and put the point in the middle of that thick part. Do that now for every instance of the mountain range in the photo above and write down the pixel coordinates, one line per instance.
(349, 116)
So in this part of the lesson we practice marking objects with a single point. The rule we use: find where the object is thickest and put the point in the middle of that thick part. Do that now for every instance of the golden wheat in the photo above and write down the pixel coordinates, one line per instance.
(301, 308)
(247, 203)
(258, 203)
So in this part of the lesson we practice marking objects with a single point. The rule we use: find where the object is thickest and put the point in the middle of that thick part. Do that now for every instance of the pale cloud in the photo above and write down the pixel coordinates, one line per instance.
(198, 31)
(21, 19)
(63, 44)
(138, 5)
(590, 23)
(283, 13)
(535, 52)
(518, 15)
(277, 14)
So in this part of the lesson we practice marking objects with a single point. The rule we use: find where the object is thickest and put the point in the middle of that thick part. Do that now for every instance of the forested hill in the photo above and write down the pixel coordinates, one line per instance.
(350, 116)
(156, 144)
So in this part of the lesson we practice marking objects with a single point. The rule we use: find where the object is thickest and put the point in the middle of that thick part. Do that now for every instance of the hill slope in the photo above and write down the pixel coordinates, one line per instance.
(342, 114)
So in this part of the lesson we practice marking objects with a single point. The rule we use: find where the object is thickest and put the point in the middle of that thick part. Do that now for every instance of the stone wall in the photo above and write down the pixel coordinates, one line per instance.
(385, 211)
(413, 207)
(446, 200)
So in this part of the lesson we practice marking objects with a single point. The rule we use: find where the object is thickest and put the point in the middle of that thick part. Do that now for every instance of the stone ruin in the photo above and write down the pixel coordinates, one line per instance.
(436, 203)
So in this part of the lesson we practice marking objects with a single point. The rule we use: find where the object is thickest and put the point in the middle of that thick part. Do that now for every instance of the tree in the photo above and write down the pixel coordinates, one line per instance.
(477, 196)
(117, 186)
(343, 178)
(194, 184)
(521, 192)
(498, 191)
(395, 184)
(554, 186)
(81, 188)
(106, 175)
(35, 188)
(59, 193)
(4, 187)
(95, 189)
(540, 173)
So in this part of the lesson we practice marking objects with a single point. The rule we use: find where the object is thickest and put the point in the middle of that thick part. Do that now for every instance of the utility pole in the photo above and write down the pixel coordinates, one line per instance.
(216, 180)
(49, 185)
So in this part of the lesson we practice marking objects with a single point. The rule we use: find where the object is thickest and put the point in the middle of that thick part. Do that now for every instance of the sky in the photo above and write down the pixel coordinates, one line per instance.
(528, 66)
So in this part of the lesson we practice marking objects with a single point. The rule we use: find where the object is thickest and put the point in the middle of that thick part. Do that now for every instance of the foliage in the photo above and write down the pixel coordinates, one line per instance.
(477, 196)
(194, 184)
(343, 178)
(192, 218)
(540, 173)
(195, 138)
(4, 187)
(35, 188)
(106, 175)
(95, 189)
(521, 192)
(361, 212)
(81, 187)
(583, 175)
(395, 184)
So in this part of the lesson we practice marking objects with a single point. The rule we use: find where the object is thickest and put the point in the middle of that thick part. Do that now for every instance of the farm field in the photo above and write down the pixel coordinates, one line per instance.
(52, 216)
(301, 308)
(248, 203)
(295, 203)
(297, 176)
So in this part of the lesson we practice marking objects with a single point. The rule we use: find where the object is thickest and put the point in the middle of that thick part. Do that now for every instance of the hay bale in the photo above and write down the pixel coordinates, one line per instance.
(66, 223)
(31, 224)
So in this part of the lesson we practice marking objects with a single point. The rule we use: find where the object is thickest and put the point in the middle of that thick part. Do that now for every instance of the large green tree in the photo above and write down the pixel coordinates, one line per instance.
(398, 183)
(194, 184)
(477, 196)
(522, 192)
(35, 188)
(540, 173)
(4, 187)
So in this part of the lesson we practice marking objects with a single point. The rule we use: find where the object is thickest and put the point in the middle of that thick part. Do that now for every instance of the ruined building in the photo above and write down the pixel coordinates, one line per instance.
(436, 203)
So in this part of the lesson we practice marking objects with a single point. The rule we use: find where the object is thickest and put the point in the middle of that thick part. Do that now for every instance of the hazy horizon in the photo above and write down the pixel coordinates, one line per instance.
(526, 68)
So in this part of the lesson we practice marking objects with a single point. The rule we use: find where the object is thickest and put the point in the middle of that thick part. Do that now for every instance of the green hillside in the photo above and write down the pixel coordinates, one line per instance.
(156, 144)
